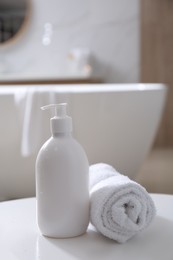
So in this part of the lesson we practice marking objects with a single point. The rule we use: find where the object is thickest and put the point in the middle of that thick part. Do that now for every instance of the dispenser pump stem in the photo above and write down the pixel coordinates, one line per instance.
(60, 123)
(60, 109)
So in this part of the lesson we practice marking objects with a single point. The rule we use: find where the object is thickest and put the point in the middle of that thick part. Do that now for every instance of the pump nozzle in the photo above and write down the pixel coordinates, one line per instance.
(60, 123)
(60, 109)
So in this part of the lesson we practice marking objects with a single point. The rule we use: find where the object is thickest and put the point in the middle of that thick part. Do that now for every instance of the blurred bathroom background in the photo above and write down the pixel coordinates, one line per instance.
(95, 41)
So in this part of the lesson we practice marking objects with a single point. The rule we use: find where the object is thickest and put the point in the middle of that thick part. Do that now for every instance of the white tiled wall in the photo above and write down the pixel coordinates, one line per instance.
(109, 28)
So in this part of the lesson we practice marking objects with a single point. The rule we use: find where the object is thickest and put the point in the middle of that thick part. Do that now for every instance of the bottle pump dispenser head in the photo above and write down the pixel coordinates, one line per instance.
(60, 123)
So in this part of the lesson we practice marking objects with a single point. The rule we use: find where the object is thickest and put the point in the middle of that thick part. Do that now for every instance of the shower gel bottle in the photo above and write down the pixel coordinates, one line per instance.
(62, 190)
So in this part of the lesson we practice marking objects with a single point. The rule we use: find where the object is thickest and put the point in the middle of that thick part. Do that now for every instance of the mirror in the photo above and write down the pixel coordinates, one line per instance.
(13, 17)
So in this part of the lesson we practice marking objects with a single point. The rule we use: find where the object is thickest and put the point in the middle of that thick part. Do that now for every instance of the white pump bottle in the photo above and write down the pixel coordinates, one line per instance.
(62, 181)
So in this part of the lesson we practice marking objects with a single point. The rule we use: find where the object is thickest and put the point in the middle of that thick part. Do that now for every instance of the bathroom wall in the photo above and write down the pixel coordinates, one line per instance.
(109, 28)
(157, 57)
(156, 174)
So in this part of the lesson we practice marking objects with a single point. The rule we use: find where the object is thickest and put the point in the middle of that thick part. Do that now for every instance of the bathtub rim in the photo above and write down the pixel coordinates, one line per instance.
(86, 88)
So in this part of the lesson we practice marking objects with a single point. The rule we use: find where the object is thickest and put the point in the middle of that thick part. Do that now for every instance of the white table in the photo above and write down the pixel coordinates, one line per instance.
(21, 239)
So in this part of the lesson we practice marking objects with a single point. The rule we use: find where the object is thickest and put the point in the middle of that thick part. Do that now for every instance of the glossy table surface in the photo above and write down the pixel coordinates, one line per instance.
(21, 239)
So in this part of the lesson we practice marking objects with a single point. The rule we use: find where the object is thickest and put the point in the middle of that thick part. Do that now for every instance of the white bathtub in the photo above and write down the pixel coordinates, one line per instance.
(115, 123)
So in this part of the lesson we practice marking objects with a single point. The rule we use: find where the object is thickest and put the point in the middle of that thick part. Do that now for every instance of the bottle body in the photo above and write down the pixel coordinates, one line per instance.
(62, 188)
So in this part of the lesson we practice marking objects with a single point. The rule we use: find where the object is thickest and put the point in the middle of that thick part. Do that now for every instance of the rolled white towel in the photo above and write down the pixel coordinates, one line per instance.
(120, 207)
